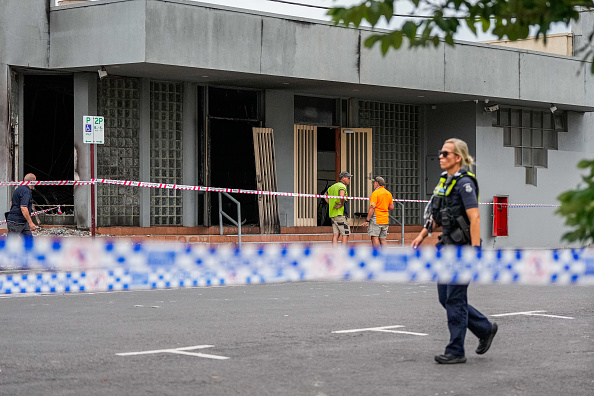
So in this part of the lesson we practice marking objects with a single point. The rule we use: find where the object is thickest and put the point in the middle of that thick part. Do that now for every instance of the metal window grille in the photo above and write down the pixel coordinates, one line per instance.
(119, 102)
(166, 151)
(396, 147)
(532, 133)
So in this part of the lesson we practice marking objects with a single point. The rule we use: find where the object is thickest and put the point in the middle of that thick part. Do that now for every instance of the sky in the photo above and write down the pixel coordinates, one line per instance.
(404, 7)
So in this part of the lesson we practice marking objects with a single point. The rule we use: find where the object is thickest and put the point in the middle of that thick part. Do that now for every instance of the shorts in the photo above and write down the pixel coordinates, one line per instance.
(340, 225)
(377, 230)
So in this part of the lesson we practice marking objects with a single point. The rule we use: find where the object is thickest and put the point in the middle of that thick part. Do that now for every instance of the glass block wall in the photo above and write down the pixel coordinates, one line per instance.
(166, 151)
(118, 100)
(532, 133)
(396, 148)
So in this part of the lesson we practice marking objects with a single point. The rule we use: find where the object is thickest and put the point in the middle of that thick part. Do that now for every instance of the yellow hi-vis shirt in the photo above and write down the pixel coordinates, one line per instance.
(380, 200)
(334, 191)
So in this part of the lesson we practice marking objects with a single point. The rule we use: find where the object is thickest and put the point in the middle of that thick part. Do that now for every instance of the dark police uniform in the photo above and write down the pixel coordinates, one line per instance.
(16, 222)
(454, 196)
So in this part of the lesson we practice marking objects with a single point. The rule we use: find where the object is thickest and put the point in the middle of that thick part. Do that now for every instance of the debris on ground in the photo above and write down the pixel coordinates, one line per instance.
(61, 231)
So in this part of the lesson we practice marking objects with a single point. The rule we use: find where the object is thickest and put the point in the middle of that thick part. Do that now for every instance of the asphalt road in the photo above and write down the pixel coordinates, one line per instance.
(286, 339)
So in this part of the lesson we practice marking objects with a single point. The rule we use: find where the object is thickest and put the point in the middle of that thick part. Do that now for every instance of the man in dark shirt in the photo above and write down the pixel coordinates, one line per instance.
(19, 220)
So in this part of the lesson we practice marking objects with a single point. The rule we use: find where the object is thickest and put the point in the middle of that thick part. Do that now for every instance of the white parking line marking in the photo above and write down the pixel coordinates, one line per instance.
(383, 329)
(402, 332)
(178, 351)
(534, 313)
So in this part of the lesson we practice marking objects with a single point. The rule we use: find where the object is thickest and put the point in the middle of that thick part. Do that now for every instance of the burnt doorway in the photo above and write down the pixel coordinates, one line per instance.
(232, 115)
(48, 141)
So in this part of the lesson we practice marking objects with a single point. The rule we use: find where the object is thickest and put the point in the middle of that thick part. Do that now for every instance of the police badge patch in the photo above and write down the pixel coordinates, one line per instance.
(468, 187)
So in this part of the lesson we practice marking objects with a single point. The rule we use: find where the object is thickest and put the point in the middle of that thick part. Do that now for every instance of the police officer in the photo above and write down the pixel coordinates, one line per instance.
(18, 219)
(454, 207)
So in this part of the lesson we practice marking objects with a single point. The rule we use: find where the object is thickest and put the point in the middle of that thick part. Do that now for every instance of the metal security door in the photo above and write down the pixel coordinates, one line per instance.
(266, 180)
(356, 158)
(305, 174)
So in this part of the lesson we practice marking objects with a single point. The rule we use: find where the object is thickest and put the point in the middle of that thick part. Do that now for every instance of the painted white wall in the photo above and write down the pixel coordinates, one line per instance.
(532, 226)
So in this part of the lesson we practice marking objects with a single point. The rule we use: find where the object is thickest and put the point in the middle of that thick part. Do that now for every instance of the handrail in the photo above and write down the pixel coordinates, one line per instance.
(221, 214)
(401, 222)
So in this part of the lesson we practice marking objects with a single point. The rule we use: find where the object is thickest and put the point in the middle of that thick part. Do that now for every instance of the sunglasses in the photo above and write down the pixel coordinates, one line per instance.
(445, 153)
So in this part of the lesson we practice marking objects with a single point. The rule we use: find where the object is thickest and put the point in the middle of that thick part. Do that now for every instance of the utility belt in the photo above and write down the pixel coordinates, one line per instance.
(459, 230)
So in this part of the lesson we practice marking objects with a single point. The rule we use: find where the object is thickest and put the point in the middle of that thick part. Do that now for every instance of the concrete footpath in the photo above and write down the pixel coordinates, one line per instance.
(309, 338)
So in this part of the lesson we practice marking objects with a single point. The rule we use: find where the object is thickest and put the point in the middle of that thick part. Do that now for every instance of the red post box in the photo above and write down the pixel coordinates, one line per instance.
(500, 215)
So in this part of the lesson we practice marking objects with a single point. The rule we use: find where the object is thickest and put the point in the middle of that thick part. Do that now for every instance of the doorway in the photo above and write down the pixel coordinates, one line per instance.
(327, 155)
(48, 141)
(232, 113)
(233, 166)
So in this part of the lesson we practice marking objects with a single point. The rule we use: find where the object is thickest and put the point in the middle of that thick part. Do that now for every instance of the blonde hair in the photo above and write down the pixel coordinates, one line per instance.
(461, 149)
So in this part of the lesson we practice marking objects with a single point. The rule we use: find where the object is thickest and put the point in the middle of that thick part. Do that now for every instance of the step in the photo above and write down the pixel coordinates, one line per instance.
(316, 230)
(280, 238)
(214, 230)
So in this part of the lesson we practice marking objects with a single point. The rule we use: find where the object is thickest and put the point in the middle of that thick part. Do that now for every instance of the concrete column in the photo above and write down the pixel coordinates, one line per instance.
(20, 129)
(145, 151)
(279, 110)
(353, 115)
(581, 31)
(85, 103)
(5, 165)
(190, 155)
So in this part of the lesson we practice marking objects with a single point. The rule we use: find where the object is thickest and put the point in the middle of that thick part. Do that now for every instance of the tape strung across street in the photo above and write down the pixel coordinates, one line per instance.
(46, 265)
(227, 190)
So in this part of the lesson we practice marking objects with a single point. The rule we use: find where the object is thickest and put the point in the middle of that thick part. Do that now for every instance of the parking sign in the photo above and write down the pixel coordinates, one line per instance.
(93, 129)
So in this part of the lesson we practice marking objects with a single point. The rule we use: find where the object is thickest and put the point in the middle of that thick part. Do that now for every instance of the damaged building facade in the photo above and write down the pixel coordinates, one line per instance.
(206, 95)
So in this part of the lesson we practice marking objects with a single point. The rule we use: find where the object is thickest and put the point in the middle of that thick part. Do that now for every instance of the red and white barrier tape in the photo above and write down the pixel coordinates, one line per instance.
(227, 190)
(38, 212)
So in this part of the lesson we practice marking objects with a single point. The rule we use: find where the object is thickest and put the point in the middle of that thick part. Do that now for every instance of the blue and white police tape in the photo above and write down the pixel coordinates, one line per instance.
(45, 265)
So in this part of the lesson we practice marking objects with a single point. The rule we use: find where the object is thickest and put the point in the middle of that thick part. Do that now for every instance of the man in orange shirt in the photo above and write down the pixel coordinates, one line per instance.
(378, 218)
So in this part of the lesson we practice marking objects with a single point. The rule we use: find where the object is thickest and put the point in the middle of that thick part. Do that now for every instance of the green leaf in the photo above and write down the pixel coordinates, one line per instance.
(371, 40)
(486, 22)
(449, 39)
(409, 29)
(396, 39)
(385, 45)
(470, 23)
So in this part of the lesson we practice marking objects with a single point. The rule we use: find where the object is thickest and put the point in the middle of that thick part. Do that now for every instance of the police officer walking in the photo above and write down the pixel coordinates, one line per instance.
(454, 207)
(18, 219)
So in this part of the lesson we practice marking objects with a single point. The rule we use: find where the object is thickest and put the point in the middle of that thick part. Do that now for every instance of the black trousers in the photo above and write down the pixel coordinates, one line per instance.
(461, 316)
(18, 229)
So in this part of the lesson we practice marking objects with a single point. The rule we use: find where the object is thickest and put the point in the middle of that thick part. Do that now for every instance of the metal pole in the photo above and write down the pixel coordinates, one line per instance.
(239, 222)
(92, 190)
(402, 222)
(220, 214)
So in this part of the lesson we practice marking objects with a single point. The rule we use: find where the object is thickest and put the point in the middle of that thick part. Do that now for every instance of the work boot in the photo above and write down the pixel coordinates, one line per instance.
(485, 343)
(449, 359)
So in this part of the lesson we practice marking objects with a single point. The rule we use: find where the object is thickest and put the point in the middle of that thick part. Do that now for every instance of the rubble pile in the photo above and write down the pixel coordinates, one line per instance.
(62, 232)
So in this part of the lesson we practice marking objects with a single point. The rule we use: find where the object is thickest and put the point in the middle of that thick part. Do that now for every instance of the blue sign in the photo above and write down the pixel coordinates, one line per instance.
(88, 128)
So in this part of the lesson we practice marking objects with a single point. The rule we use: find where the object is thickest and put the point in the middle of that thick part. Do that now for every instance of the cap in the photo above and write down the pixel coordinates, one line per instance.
(380, 180)
(344, 174)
